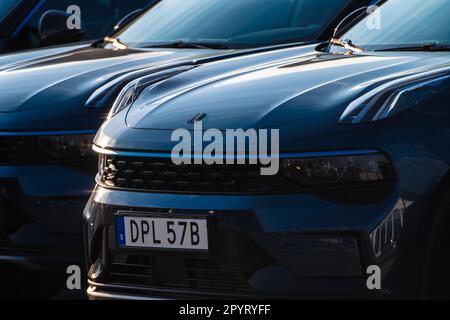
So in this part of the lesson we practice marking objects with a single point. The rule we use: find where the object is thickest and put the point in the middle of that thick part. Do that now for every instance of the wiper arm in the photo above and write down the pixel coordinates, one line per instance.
(189, 45)
(347, 44)
(421, 47)
(116, 43)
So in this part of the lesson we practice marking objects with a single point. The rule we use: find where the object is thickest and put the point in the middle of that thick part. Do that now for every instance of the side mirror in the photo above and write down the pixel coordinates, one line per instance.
(53, 28)
(127, 19)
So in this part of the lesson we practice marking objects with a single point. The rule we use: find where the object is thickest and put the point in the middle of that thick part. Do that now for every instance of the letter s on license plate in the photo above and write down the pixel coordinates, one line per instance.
(162, 233)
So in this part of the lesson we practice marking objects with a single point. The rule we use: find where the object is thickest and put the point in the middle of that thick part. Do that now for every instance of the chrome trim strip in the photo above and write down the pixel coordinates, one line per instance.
(93, 287)
(92, 293)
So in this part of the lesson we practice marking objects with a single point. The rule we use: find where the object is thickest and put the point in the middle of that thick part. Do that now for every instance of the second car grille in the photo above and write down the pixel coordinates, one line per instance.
(18, 150)
(161, 175)
(28, 151)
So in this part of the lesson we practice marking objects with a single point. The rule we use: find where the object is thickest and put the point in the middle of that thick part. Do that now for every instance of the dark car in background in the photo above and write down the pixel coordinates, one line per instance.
(53, 100)
(29, 24)
(363, 180)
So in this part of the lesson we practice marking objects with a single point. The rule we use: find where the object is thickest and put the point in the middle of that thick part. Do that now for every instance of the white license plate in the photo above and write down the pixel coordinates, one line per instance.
(162, 233)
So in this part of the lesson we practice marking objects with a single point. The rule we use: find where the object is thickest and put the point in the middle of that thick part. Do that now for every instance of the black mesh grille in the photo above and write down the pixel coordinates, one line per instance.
(133, 270)
(161, 175)
(200, 274)
(209, 275)
(18, 150)
(28, 151)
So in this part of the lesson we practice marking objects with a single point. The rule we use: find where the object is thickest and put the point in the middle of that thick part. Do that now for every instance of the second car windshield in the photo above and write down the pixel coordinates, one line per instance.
(234, 23)
(400, 23)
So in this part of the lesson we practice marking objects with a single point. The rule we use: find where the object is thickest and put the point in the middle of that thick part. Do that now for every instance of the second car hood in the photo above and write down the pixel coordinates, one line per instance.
(58, 76)
(309, 91)
(54, 84)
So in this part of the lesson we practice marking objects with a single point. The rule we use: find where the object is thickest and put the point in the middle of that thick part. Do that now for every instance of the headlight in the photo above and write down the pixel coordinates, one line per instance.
(101, 164)
(397, 96)
(341, 170)
(128, 95)
(67, 146)
(412, 96)
(125, 98)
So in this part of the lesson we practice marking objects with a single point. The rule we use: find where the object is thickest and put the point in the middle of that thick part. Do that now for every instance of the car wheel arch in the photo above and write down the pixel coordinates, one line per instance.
(433, 238)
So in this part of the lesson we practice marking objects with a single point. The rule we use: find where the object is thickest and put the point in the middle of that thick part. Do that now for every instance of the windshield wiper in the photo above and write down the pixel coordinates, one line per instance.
(420, 47)
(189, 45)
(116, 43)
(347, 44)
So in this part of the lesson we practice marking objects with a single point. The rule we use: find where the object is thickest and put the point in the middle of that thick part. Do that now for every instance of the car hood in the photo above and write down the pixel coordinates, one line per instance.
(307, 91)
(47, 89)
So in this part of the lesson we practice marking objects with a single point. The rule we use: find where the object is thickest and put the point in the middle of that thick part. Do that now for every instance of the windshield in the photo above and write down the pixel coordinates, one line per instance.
(400, 23)
(6, 6)
(234, 23)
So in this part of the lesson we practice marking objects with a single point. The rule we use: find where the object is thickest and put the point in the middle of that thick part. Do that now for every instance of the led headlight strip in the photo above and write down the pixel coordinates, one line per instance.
(396, 96)
(103, 96)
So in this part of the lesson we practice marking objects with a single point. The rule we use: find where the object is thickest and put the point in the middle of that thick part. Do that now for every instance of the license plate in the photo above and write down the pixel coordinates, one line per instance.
(162, 233)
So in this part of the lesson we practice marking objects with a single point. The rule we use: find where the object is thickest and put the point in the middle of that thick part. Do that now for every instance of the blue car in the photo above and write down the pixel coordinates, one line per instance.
(359, 205)
(53, 100)
(29, 24)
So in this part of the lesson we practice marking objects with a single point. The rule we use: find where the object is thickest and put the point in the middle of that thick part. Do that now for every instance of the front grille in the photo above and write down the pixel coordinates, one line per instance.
(161, 175)
(198, 274)
(209, 275)
(31, 151)
(133, 270)
(18, 150)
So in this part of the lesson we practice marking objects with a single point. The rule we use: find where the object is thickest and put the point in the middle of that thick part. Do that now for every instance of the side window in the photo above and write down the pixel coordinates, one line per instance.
(98, 18)
(27, 37)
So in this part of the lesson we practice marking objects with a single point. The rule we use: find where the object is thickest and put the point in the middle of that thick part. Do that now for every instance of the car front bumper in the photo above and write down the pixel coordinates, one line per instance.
(41, 216)
(280, 246)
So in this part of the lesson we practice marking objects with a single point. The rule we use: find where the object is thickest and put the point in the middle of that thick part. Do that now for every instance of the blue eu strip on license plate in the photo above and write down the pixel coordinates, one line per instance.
(120, 229)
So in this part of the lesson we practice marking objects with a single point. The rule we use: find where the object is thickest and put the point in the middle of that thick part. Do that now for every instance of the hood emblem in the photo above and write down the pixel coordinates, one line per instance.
(197, 117)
